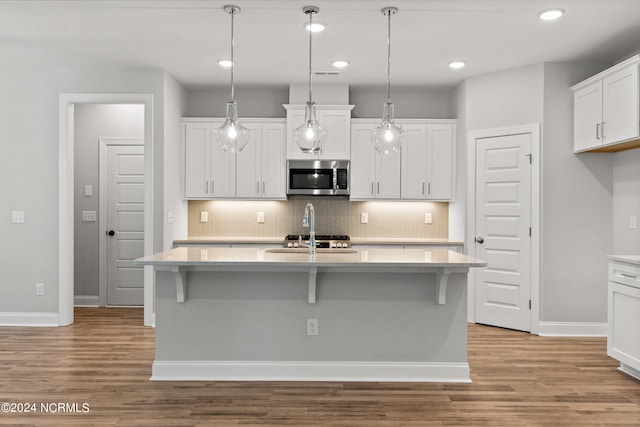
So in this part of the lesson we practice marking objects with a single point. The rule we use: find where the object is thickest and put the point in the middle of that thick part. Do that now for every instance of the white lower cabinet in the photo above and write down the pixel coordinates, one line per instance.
(623, 338)
(373, 175)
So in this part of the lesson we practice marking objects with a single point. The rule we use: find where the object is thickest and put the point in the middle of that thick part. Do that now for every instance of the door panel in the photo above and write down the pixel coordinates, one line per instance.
(503, 209)
(125, 216)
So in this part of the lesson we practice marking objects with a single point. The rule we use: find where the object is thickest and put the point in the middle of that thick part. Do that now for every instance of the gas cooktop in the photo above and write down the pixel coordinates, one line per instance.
(337, 241)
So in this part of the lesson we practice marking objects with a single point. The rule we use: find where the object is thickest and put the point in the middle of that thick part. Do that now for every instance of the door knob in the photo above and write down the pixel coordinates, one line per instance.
(111, 233)
(479, 240)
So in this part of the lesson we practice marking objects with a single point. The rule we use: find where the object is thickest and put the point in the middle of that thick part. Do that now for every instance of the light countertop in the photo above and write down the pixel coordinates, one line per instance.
(203, 240)
(629, 259)
(238, 257)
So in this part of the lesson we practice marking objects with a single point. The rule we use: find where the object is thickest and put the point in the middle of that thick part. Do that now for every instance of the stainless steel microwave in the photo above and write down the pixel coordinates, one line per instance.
(318, 177)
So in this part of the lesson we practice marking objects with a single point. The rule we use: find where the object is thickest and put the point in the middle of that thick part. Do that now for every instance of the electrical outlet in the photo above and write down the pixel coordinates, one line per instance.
(17, 217)
(428, 218)
(39, 289)
(204, 216)
(633, 222)
(312, 327)
(260, 217)
(364, 218)
(89, 216)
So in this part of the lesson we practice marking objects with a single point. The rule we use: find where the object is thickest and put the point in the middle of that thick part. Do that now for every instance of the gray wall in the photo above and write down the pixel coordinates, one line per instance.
(411, 102)
(626, 201)
(92, 122)
(576, 208)
(29, 169)
(253, 101)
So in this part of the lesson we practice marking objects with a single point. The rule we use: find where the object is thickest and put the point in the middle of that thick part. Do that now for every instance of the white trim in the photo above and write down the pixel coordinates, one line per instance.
(86, 301)
(629, 370)
(536, 208)
(66, 104)
(310, 371)
(28, 319)
(102, 227)
(572, 329)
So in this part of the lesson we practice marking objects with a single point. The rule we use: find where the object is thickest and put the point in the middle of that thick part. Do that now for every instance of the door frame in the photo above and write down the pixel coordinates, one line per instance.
(66, 104)
(104, 144)
(536, 168)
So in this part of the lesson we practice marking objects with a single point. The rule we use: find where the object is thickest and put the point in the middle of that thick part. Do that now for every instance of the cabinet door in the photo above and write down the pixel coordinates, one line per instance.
(248, 164)
(387, 175)
(587, 117)
(273, 184)
(223, 172)
(295, 118)
(197, 159)
(363, 162)
(414, 162)
(338, 125)
(440, 161)
(620, 114)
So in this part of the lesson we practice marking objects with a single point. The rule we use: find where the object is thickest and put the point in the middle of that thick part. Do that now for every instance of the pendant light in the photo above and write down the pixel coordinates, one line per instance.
(388, 136)
(310, 136)
(232, 136)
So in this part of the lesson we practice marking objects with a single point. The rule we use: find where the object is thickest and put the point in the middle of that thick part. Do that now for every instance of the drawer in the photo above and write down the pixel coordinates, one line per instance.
(625, 274)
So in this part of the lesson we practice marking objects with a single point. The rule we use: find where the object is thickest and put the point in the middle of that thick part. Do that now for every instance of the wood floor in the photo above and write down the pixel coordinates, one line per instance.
(103, 362)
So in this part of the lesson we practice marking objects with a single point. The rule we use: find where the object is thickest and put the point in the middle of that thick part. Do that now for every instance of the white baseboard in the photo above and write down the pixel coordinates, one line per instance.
(28, 319)
(310, 371)
(86, 301)
(572, 329)
(629, 370)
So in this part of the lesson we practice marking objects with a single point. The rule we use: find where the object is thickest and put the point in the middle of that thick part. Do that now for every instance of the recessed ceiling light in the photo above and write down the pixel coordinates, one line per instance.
(456, 65)
(225, 63)
(551, 14)
(316, 27)
(340, 63)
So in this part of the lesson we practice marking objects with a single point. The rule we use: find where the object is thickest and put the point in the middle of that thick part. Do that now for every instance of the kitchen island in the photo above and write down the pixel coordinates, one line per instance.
(339, 315)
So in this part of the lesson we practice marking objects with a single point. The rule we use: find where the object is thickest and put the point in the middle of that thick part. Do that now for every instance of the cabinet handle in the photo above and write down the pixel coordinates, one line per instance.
(423, 188)
(629, 276)
(206, 187)
(257, 187)
(371, 187)
(263, 187)
(213, 187)
(378, 187)
(603, 135)
(597, 130)
(429, 188)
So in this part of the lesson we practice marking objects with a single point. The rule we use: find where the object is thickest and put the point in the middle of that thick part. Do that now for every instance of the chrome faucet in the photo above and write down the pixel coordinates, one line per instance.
(309, 220)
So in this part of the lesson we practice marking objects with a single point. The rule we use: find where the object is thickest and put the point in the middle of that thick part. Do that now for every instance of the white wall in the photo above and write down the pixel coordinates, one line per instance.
(626, 201)
(92, 122)
(175, 107)
(29, 170)
(576, 208)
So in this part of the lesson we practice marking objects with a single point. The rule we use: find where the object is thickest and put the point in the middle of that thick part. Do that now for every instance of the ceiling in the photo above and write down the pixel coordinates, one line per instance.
(187, 37)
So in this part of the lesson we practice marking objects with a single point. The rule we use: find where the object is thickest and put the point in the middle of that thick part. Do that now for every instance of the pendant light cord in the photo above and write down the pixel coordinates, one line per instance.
(389, 56)
(310, 34)
(233, 64)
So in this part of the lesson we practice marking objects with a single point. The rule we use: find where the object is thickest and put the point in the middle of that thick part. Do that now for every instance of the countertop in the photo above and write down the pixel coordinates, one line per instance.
(203, 240)
(254, 257)
(629, 259)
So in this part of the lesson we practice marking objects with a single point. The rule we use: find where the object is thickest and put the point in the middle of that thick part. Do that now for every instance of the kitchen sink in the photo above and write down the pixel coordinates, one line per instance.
(305, 251)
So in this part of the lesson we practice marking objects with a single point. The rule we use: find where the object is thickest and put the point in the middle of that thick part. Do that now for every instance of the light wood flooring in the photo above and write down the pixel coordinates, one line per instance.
(104, 361)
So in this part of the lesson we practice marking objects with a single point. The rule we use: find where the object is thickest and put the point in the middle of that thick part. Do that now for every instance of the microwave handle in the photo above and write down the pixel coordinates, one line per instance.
(335, 180)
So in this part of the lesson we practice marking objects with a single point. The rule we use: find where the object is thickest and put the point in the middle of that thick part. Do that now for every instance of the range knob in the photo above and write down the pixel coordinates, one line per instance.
(338, 245)
(289, 245)
(295, 245)
(332, 244)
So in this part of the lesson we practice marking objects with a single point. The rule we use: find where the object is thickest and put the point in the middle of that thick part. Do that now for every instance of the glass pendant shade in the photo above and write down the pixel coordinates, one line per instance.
(232, 136)
(310, 136)
(387, 136)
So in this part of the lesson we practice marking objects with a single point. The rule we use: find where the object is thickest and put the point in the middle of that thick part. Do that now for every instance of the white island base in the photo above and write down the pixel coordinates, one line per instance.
(382, 315)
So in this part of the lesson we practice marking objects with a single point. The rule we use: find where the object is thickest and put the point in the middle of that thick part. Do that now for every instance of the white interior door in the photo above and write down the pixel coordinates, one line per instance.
(125, 224)
(503, 227)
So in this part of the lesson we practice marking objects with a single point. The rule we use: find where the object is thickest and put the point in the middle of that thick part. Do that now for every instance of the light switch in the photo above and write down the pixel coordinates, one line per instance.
(633, 222)
(88, 190)
(89, 216)
(170, 217)
(260, 217)
(364, 218)
(17, 217)
(204, 216)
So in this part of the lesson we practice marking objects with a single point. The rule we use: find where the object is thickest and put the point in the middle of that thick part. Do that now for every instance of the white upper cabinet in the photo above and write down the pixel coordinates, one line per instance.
(373, 175)
(428, 161)
(336, 119)
(209, 172)
(256, 172)
(261, 164)
(606, 109)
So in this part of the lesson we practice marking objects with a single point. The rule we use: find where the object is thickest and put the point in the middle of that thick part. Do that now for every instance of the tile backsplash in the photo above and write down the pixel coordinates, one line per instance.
(237, 218)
